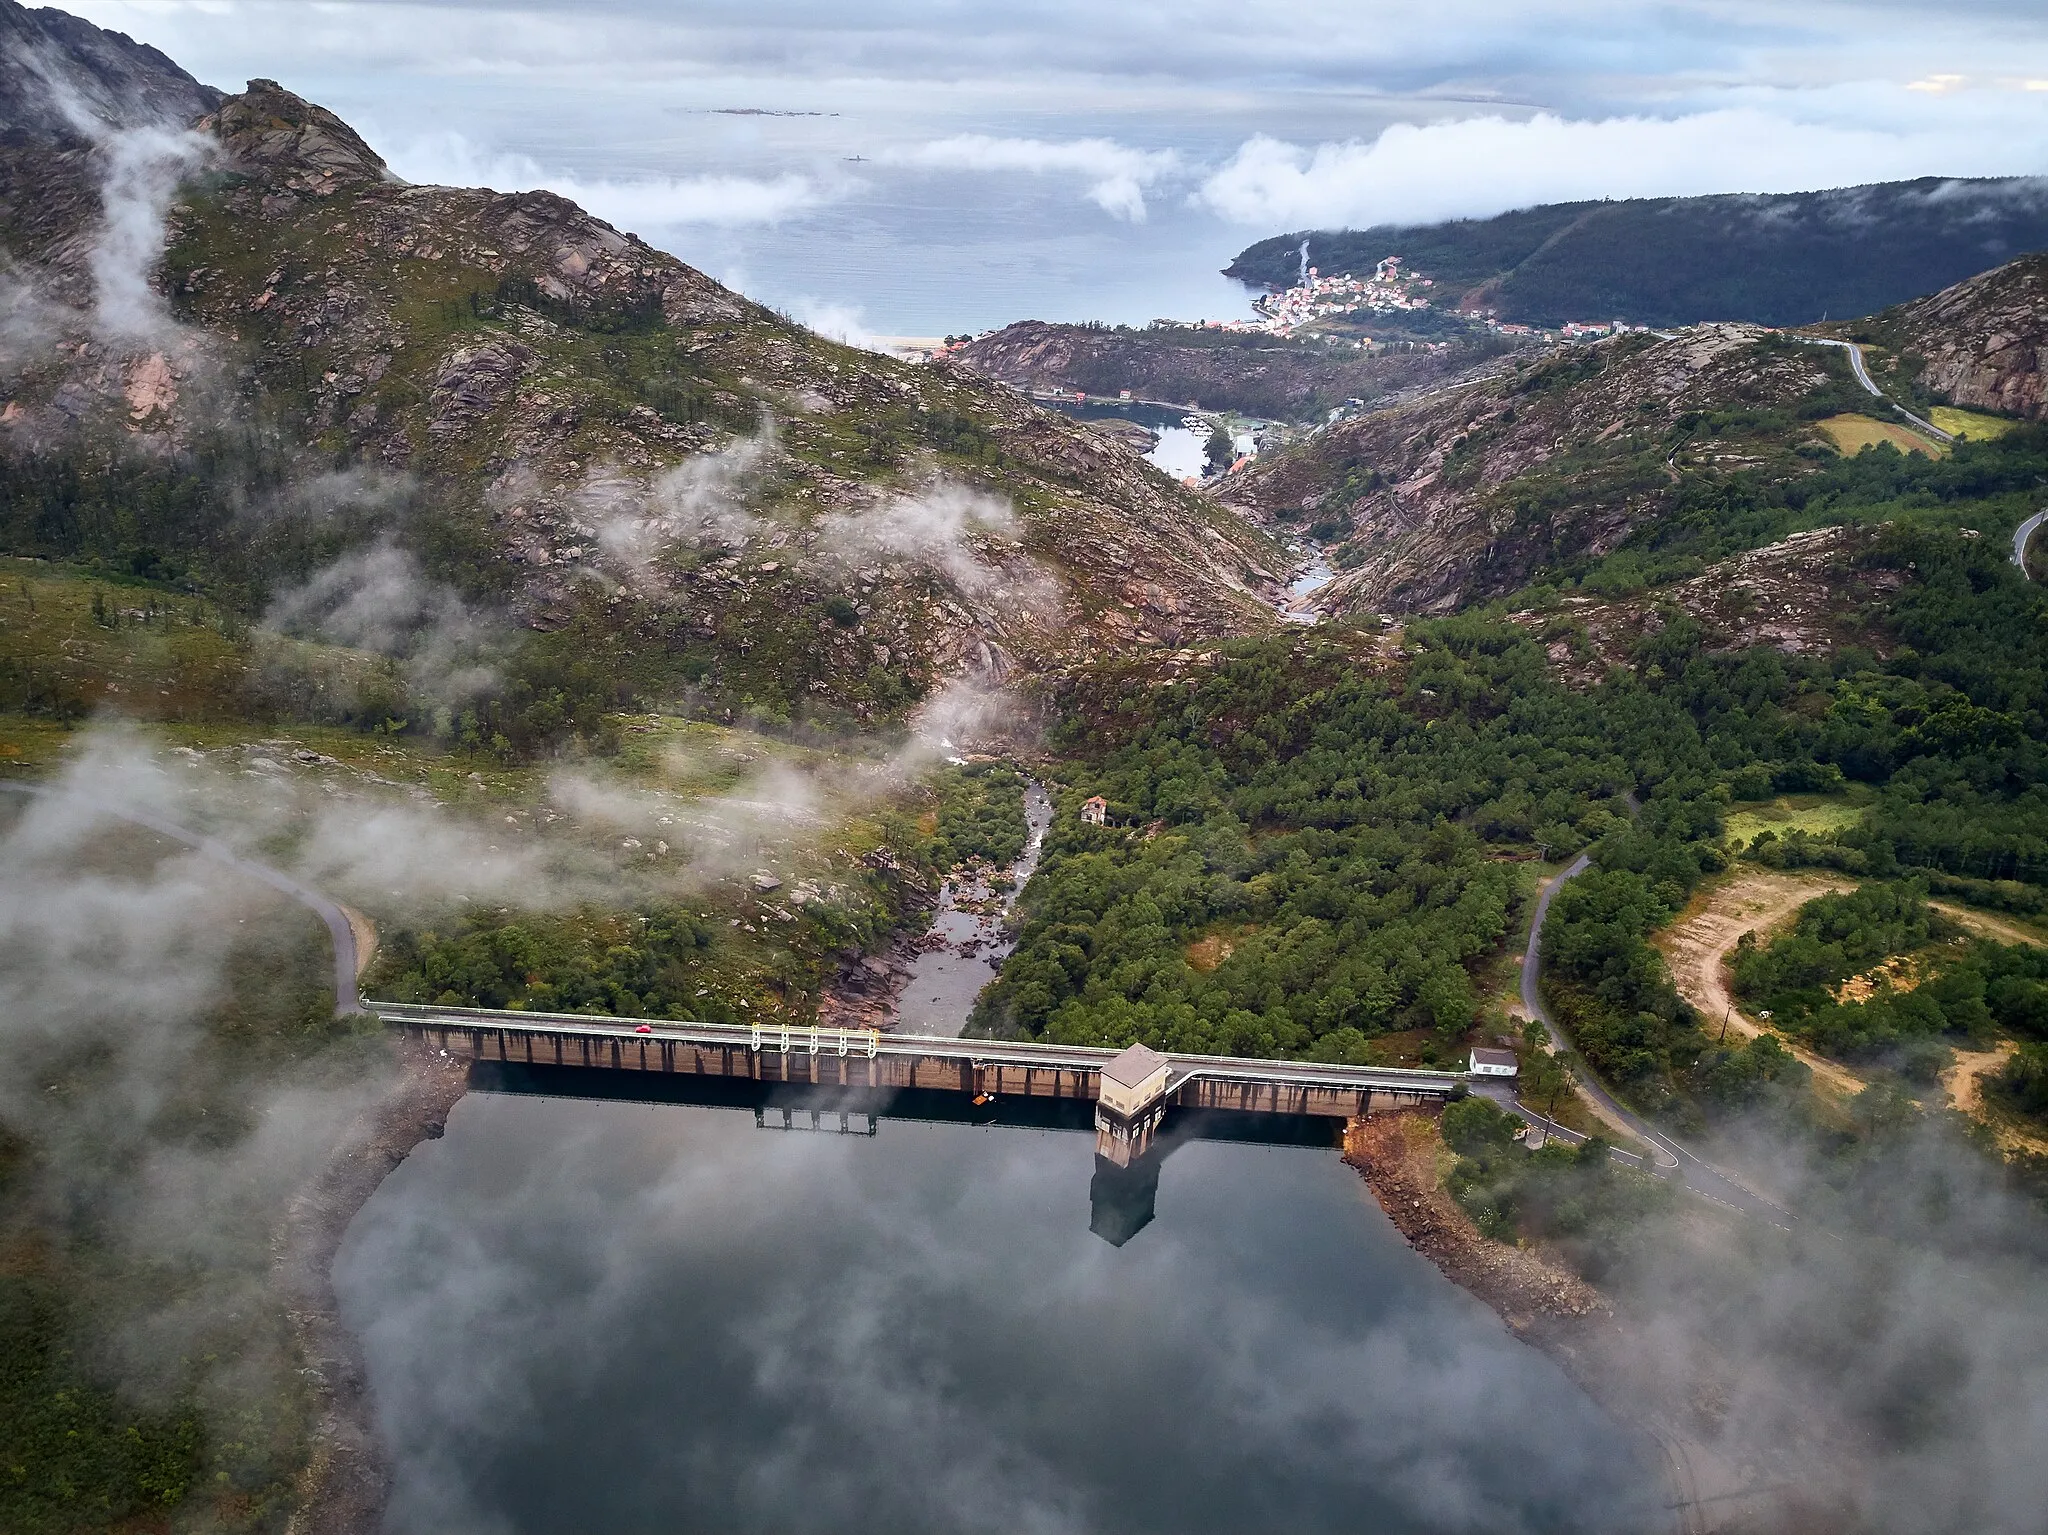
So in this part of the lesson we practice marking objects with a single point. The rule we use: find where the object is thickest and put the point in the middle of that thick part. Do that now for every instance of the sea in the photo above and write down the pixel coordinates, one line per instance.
(885, 248)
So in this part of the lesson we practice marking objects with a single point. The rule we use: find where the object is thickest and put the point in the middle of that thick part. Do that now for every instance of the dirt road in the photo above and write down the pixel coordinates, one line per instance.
(1964, 1084)
(1984, 925)
(1698, 944)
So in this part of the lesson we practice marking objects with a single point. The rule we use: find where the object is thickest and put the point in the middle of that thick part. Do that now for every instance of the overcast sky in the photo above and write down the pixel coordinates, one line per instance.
(964, 128)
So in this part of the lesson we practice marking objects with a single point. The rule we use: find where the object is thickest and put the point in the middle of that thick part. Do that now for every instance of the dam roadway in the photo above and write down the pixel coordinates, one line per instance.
(869, 1059)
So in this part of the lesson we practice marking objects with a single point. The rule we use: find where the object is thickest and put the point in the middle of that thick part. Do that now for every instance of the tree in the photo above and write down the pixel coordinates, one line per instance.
(1544, 1077)
(1221, 452)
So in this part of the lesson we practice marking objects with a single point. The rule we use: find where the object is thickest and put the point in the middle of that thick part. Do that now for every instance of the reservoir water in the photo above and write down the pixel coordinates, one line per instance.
(586, 1316)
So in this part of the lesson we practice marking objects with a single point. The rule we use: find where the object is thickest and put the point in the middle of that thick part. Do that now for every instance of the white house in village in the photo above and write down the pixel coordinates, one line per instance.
(1492, 1063)
(1095, 810)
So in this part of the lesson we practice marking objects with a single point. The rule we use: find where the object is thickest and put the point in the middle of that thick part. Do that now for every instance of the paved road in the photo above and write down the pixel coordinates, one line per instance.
(1870, 384)
(2020, 535)
(338, 929)
(1702, 1177)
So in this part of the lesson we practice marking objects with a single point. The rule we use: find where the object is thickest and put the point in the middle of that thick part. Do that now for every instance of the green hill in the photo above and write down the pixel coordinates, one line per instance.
(1783, 259)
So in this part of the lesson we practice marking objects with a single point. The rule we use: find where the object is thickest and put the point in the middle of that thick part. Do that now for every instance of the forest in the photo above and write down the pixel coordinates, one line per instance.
(1315, 847)
(1578, 1199)
(1780, 259)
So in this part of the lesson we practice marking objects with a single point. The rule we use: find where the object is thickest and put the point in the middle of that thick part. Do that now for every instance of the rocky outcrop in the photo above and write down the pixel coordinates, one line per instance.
(1984, 341)
(1807, 595)
(474, 382)
(295, 145)
(63, 81)
(1459, 497)
(1253, 375)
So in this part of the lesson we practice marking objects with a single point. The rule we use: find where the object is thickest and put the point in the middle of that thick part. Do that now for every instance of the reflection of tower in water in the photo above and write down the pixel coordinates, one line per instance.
(1121, 1199)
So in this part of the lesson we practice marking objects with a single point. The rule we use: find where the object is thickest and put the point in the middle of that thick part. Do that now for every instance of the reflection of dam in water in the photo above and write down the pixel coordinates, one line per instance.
(1122, 1199)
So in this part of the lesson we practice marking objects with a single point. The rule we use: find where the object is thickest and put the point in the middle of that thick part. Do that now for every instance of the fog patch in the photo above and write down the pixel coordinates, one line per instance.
(969, 713)
(141, 169)
(1887, 1356)
(699, 502)
(957, 532)
(144, 167)
(844, 323)
(112, 970)
(379, 599)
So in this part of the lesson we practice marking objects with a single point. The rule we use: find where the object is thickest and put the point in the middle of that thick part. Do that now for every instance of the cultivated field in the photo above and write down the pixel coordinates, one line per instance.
(1970, 423)
(1853, 433)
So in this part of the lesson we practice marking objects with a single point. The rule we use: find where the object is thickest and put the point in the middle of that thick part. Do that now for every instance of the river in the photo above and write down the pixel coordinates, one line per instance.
(748, 1308)
(969, 938)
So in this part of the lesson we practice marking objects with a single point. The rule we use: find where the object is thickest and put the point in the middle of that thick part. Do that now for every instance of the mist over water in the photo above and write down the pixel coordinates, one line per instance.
(602, 1316)
(905, 248)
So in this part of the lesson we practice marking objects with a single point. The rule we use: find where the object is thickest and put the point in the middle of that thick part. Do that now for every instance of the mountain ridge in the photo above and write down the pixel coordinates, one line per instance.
(553, 419)
(48, 54)
(1770, 258)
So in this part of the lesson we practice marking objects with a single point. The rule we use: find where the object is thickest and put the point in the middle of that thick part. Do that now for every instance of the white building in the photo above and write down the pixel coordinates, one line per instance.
(1492, 1063)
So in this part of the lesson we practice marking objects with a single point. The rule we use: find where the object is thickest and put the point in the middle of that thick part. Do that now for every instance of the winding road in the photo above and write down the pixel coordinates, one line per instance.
(329, 912)
(1870, 384)
(1701, 1176)
(2020, 537)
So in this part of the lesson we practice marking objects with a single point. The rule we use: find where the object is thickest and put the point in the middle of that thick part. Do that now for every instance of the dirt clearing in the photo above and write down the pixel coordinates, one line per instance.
(1696, 947)
(1984, 925)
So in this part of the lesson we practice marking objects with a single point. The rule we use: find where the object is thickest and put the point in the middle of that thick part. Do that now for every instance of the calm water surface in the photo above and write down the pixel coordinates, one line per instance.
(601, 1317)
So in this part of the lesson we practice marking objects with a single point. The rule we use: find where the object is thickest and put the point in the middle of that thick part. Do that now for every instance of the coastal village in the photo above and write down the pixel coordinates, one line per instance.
(1390, 290)
(1318, 300)
(1316, 297)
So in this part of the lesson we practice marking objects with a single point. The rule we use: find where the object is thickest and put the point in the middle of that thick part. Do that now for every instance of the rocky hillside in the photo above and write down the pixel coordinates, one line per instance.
(1805, 595)
(536, 420)
(1469, 494)
(1982, 344)
(1262, 376)
(63, 80)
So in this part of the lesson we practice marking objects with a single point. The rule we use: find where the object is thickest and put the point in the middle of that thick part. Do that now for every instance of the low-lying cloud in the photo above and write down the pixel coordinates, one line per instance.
(144, 167)
(380, 599)
(965, 536)
(449, 159)
(1478, 166)
(700, 501)
(1117, 176)
(844, 323)
(946, 527)
(141, 168)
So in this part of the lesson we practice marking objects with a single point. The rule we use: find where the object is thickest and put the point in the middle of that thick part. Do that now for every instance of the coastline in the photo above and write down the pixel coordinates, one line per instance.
(1716, 1478)
(344, 1484)
(1537, 1298)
